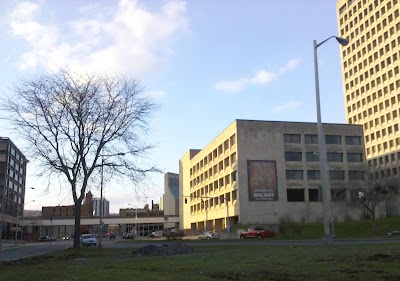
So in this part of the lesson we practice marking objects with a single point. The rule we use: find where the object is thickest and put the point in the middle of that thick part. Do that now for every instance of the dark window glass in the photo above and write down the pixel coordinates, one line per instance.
(336, 175)
(295, 195)
(353, 140)
(313, 175)
(338, 194)
(311, 139)
(294, 174)
(313, 195)
(356, 175)
(354, 157)
(293, 156)
(291, 138)
(334, 157)
(333, 139)
(312, 156)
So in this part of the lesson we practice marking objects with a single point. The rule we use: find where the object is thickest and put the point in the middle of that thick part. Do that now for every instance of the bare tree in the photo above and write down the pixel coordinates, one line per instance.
(78, 124)
(366, 195)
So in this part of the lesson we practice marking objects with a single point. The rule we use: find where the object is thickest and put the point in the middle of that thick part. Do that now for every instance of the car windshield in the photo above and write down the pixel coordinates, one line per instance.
(86, 236)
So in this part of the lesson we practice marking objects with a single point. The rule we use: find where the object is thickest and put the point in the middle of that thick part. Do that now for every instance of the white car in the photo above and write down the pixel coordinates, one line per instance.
(88, 240)
(156, 234)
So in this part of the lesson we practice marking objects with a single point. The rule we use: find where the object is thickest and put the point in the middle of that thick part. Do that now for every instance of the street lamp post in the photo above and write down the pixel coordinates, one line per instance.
(101, 204)
(101, 195)
(135, 219)
(321, 143)
(22, 219)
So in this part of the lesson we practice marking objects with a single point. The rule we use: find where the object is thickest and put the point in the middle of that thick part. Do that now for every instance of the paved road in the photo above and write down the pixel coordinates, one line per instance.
(10, 252)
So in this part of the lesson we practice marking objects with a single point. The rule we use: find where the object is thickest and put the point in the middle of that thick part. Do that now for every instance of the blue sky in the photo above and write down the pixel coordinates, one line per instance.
(206, 63)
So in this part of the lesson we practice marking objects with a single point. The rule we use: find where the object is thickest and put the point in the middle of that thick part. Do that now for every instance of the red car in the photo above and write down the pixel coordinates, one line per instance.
(257, 232)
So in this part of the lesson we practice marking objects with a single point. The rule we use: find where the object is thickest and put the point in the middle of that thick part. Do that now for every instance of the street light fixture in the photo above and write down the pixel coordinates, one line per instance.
(101, 195)
(321, 143)
(135, 218)
(22, 219)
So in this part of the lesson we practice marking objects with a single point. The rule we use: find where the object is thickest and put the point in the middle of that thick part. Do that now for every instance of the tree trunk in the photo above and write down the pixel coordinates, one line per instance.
(373, 223)
(77, 231)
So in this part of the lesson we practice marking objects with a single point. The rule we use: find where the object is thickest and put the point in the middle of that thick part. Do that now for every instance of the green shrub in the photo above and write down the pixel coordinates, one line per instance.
(174, 235)
(290, 229)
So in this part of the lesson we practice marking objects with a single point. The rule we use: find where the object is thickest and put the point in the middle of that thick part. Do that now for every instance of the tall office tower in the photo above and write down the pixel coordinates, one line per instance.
(12, 186)
(370, 69)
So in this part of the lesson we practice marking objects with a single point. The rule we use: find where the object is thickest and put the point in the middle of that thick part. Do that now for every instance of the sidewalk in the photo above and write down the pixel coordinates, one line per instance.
(10, 244)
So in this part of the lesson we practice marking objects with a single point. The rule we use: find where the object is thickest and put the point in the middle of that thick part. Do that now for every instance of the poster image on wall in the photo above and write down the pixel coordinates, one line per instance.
(262, 180)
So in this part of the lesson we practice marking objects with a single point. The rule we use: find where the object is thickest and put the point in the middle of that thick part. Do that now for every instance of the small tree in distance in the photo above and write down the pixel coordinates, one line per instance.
(368, 197)
(76, 124)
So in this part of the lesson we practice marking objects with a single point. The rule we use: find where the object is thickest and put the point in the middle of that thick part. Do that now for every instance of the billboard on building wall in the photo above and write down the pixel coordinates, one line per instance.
(263, 184)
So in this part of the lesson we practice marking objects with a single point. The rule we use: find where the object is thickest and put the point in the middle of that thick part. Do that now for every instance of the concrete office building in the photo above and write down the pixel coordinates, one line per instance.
(256, 172)
(13, 165)
(370, 68)
(105, 207)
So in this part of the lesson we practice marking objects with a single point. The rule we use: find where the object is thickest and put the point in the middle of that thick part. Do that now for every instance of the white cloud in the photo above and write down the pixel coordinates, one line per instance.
(292, 64)
(287, 106)
(261, 77)
(129, 40)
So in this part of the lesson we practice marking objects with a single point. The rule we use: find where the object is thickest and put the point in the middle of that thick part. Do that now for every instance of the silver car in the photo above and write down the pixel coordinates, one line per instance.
(209, 235)
(88, 240)
(156, 234)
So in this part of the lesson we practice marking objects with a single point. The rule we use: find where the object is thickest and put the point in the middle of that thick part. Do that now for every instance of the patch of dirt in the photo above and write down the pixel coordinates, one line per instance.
(259, 276)
(384, 257)
(164, 250)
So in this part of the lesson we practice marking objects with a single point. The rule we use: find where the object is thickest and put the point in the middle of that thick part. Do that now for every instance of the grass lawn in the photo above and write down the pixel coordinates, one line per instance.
(214, 262)
(343, 230)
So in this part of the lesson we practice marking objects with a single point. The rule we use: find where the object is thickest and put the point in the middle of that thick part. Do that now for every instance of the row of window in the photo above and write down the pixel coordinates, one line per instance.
(385, 160)
(329, 139)
(383, 146)
(206, 203)
(215, 154)
(386, 116)
(375, 63)
(213, 171)
(385, 173)
(316, 175)
(382, 107)
(315, 195)
(382, 133)
(330, 156)
(215, 186)
(370, 14)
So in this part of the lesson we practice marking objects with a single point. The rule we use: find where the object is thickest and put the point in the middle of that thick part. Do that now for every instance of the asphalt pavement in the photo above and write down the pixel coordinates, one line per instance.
(9, 251)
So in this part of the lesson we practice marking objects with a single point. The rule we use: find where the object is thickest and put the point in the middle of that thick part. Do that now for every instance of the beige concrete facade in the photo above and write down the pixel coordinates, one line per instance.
(370, 68)
(266, 170)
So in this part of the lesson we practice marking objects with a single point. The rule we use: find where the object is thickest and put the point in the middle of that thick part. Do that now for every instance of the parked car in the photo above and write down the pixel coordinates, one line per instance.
(88, 240)
(128, 235)
(44, 238)
(395, 232)
(209, 235)
(53, 238)
(156, 234)
(257, 232)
